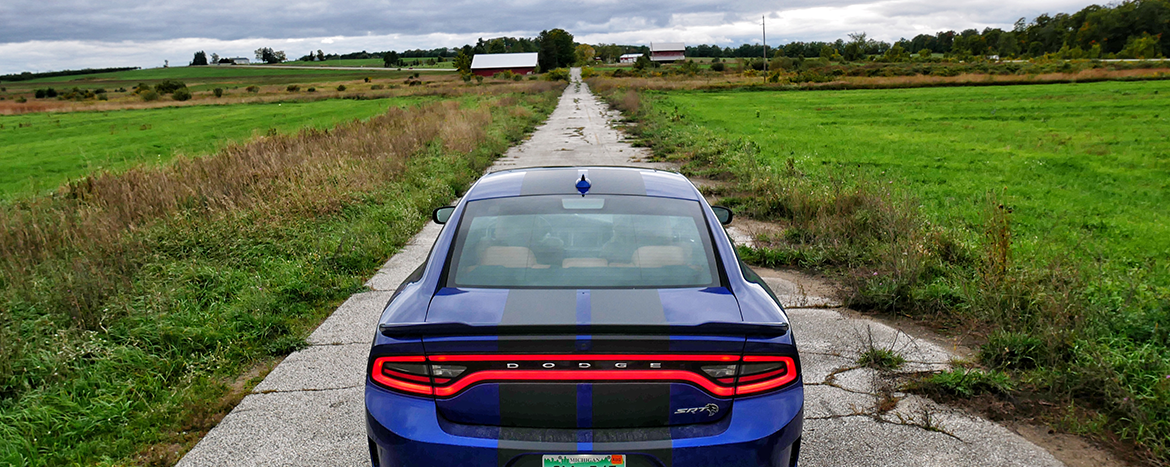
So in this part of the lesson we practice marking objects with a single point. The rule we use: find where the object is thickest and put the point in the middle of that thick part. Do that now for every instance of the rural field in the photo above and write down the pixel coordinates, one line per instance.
(187, 249)
(254, 83)
(43, 150)
(1085, 167)
(1031, 220)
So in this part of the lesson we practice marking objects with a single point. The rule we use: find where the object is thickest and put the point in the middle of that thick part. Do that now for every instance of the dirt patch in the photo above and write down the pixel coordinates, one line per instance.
(1070, 449)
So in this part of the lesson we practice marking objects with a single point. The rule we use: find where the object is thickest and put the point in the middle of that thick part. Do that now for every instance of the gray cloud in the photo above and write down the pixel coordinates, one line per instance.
(143, 32)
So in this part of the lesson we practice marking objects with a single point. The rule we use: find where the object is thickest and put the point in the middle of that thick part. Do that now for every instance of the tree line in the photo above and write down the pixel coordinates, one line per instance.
(1130, 29)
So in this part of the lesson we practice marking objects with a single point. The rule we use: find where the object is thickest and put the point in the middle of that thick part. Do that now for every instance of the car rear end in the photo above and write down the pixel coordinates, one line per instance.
(536, 337)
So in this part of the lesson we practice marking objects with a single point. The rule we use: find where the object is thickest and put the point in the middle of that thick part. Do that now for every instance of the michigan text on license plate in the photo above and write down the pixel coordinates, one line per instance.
(585, 460)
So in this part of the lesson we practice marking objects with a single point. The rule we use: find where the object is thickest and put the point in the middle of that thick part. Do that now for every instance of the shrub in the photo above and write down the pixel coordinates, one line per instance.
(150, 95)
(478, 79)
(21, 100)
(218, 92)
(367, 79)
(39, 94)
(588, 72)
(181, 94)
(340, 87)
(312, 90)
(717, 66)
(517, 78)
(558, 74)
(506, 74)
(168, 86)
(252, 89)
(102, 97)
(376, 86)
(292, 88)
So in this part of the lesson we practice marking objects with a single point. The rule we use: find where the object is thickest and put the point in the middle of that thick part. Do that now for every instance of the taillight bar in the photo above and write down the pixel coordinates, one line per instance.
(412, 373)
(594, 357)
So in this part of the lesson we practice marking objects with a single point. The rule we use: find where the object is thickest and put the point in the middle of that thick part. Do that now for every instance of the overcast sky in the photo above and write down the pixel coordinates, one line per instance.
(40, 35)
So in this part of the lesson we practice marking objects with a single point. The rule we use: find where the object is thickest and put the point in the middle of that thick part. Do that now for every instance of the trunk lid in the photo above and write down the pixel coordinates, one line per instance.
(600, 358)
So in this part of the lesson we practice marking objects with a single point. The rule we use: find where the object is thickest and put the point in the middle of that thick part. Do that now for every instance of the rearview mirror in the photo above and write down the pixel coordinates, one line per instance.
(723, 214)
(443, 214)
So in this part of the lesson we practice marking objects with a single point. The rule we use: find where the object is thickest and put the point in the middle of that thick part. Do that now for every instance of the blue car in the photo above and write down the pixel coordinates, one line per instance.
(593, 316)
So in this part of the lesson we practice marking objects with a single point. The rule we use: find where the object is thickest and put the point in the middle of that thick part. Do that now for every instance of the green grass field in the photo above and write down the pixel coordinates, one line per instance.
(1085, 166)
(1034, 218)
(42, 150)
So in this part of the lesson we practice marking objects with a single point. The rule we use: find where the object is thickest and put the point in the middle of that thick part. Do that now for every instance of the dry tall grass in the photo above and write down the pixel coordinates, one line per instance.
(83, 229)
(445, 87)
(606, 85)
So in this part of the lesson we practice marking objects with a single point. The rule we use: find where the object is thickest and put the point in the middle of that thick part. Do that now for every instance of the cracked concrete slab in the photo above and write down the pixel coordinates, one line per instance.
(353, 322)
(314, 428)
(319, 367)
(309, 410)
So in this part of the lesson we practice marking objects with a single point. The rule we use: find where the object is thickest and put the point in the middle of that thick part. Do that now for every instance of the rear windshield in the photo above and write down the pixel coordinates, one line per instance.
(582, 242)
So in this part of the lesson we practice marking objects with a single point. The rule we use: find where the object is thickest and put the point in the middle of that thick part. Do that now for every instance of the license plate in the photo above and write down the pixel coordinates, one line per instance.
(585, 460)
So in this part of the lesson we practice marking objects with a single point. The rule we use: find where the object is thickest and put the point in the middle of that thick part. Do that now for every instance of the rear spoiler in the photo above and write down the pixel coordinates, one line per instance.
(400, 330)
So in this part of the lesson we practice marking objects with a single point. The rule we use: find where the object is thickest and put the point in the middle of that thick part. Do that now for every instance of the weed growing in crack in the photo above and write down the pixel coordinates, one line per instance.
(881, 359)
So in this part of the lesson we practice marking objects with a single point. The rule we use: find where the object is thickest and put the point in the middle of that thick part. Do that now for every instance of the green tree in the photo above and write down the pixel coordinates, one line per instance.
(463, 61)
(270, 56)
(855, 49)
(896, 54)
(827, 52)
(497, 46)
(320, 55)
(200, 59)
(556, 49)
(1144, 46)
(391, 58)
(583, 54)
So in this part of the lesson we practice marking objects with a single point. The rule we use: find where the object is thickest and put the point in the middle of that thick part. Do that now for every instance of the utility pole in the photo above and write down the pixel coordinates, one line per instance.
(764, 29)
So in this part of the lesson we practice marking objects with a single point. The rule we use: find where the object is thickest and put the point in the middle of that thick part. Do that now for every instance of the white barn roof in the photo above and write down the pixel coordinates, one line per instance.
(667, 47)
(523, 60)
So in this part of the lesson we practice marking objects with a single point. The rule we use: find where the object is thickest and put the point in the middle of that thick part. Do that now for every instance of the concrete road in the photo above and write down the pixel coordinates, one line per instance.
(309, 410)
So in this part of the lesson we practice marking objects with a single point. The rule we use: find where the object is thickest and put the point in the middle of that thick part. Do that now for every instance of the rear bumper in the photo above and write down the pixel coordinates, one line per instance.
(408, 431)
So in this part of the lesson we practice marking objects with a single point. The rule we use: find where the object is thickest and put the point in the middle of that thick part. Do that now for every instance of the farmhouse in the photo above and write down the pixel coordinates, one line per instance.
(239, 61)
(629, 58)
(667, 51)
(490, 64)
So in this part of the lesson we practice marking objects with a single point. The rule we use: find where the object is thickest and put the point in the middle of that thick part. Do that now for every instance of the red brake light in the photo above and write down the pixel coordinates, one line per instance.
(396, 373)
(767, 372)
(448, 375)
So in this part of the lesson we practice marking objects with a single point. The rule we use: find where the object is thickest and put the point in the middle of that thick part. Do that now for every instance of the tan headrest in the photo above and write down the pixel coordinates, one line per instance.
(584, 263)
(508, 256)
(659, 256)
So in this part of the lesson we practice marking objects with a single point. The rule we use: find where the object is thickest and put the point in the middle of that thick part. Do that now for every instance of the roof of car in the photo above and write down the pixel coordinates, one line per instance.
(602, 180)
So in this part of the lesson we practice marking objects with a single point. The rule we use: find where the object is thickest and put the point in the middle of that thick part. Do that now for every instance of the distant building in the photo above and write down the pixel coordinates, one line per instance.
(240, 61)
(667, 51)
(490, 64)
(629, 58)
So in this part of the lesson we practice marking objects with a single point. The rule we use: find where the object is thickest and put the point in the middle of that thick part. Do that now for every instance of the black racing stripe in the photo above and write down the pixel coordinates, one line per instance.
(544, 405)
(641, 435)
(538, 344)
(630, 344)
(536, 306)
(550, 182)
(613, 306)
(629, 405)
(617, 182)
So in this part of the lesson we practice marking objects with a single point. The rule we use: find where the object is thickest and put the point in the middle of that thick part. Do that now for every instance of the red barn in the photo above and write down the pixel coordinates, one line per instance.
(667, 51)
(490, 64)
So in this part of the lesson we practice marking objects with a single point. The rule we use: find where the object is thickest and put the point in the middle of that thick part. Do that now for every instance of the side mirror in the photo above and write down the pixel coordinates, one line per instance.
(443, 214)
(723, 214)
